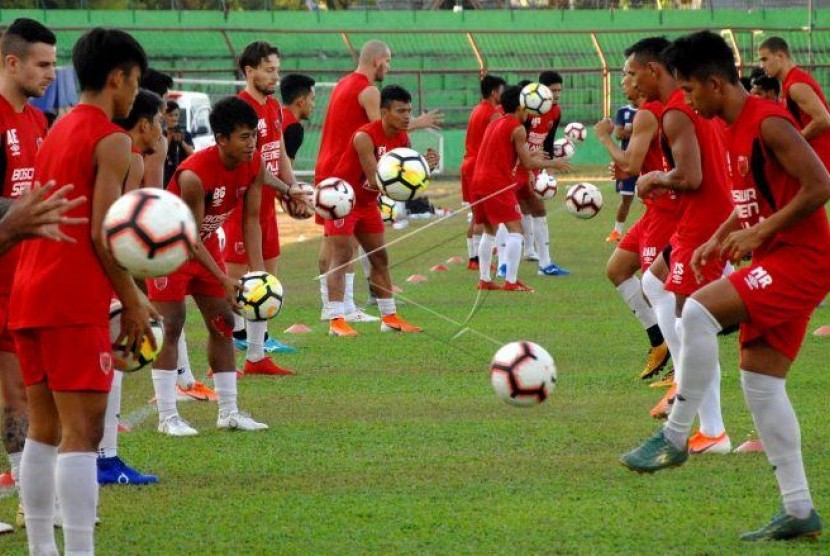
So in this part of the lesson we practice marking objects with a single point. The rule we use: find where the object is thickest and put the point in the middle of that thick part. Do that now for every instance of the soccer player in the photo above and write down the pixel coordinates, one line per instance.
(65, 353)
(694, 150)
(779, 187)
(766, 87)
(494, 198)
(260, 63)
(484, 112)
(625, 186)
(357, 166)
(652, 232)
(297, 92)
(212, 182)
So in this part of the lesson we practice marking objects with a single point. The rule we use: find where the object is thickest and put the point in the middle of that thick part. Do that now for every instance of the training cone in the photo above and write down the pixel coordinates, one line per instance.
(298, 328)
(750, 446)
(396, 289)
(439, 268)
(416, 279)
(455, 260)
(123, 428)
(822, 330)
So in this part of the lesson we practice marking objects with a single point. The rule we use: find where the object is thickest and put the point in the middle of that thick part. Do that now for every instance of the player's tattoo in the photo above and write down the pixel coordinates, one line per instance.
(15, 427)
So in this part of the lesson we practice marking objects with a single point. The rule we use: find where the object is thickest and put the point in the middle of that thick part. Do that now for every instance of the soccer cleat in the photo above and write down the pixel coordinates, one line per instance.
(113, 471)
(532, 256)
(657, 358)
(472, 264)
(665, 382)
(654, 454)
(360, 316)
(6, 528)
(394, 323)
(613, 237)
(272, 345)
(400, 225)
(553, 270)
(239, 421)
(487, 285)
(199, 392)
(700, 444)
(339, 327)
(241, 344)
(176, 426)
(663, 407)
(6, 480)
(517, 286)
(502, 272)
(784, 527)
(265, 366)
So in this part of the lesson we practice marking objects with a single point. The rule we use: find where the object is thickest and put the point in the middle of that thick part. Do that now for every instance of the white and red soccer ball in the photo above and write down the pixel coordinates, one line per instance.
(333, 199)
(150, 232)
(545, 185)
(522, 374)
(563, 148)
(583, 200)
(296, 208)
(576, 132)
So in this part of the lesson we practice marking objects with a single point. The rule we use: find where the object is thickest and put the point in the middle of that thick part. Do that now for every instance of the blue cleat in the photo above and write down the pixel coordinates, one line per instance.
(275, 346)
(502, 272)
(553, 270)
(785, 527)
(240, 344)
(113, 471)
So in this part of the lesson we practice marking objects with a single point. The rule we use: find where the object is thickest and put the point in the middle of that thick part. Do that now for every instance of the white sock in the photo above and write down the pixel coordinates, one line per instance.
(632, 293)
(663, 304)
(387, 306)
(513, 252)
(698, 364)
(471, 252)
(709, 414)
(14, 462)
(225, 383)
(778, 428)
(238, 322)
(76, 482)
(185, 377)
(542, 238)
(334, 309)
(348, 297)
(501, 239)
(324, 292)
(485, 256)
(37, 492)
(619, 226)
(108, 448)
(164, 385)
(527, 230)
(476, 242)
(256, 340)
(401, 211)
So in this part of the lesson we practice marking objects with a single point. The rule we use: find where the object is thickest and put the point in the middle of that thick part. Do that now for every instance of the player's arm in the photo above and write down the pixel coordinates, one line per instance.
(535, 160)
(687, 174)
(112, 159)
(810, 103)
(431, 119)
(286, 169)
(365, 150)
(643, 129)
(135, 174)
(369, 99)
(154, 165)
(292, 139)
(550, 138)
(32, 215)
(251, 229)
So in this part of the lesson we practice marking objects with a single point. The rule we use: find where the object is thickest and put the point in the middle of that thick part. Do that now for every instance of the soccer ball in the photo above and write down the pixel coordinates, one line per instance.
(402, 174)
(522, 374)
(333, 199)
(388, 208)
(536, 98)
(563, 148)
(125, 361)
(150, 232)
(260, 296)
(576, 132)
(545, 185)
(583, 200)
(296, 209)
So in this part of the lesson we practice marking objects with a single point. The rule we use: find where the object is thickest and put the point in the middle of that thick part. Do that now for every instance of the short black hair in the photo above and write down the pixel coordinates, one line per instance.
(391, 93)
(767, 84)
(146, 105)
(649, 49)
(510, 99)
(255, 53)
(523, 83)
(702, 55)
(490, 83)
(21, 34)
(100, 51)
(757, 72)
(294, 86)
(550, 77)
(156, 81)
(170, 106)
(775, 44)
(746, 82)
(231, 113)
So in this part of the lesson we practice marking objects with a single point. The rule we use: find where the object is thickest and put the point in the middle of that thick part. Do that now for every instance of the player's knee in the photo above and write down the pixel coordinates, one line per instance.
(379, 259)
(614, 272)
(696, 320)
(173, 326)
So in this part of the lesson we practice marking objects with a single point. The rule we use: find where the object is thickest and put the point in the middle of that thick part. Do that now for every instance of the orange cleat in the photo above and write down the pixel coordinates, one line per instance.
(199, 392)
(663, 407)
(487, 285)
(6, 480)
(517, 286)
(665, 382)
(613, 237)
(394, 323)
(472, 264)
(700, 444)
(265, 366)
(339, 327)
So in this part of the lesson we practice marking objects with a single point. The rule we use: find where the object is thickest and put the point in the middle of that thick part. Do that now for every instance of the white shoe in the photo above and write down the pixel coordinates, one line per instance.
(239, 421)
(176, 426)
(531, 256)
(6, 528)
(359, 316)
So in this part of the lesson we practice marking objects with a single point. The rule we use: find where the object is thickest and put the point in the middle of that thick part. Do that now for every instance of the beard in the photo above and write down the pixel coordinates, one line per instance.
(265, 90)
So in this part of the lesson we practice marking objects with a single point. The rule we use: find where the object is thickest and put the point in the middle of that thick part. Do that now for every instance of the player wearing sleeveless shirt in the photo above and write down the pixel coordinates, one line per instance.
(297, 92)
(779, 187)
(625, 187)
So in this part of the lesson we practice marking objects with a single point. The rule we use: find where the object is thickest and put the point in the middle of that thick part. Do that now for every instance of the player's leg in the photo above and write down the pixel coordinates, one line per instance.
(501, 245)
(664, 306)
(323, 264)
(513, 254)
(626, 189)
(529, 239)
(353, 313)
(240, 332)
(541, 235)
(341, 249)
(15, 412)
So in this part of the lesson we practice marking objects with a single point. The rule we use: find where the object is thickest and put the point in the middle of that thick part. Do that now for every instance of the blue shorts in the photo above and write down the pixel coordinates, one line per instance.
(627, 187)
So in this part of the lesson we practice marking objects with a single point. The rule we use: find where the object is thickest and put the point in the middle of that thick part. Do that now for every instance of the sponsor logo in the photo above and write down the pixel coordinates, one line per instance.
(262, 127)
(13, 142)
(105, 361)
(677, 272)
(218, 196)
(758, 278)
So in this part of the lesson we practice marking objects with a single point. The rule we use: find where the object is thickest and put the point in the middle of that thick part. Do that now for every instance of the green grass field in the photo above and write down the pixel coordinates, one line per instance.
(396, 444)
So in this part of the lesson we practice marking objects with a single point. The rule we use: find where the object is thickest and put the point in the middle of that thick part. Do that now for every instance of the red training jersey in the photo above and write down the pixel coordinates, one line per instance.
(760, 187)
(540, 127)
(496, 157)
(63, 283)
(288, 118)
(476, 126)
(21, 134)
(821, 142)
(344, 116)
(350, 169)
(655, 161)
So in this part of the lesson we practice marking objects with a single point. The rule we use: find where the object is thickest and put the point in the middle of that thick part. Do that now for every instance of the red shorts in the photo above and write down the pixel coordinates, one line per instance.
(468, 166)
(649, 235)
(6, 339)
(681, 278)
(780, 291)
(192, 278)
(235, 247)
(68, 358)
(497, 209)
(364, 219)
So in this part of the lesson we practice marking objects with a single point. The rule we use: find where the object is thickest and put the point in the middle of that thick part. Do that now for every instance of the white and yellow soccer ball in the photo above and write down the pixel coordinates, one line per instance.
(260, 296)
(545, 186)
(522, 374)
(402, 174)
(297, 209)
(576, 132)
(536, 98)
(563, 148)
(388, 209)
(125, 361)
(583, 200)
(150, 232)
(333, 199)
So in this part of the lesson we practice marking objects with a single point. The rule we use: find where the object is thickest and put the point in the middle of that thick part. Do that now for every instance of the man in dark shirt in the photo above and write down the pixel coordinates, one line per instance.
(179, 141)
(297, 93)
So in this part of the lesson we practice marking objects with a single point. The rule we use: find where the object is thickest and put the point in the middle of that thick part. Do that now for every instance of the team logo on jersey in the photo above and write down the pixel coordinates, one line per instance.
(758, 278)
(105, 361)
(743, 165)
(239, 247)
(677, 273)
(262, 127)
(13, 142)
(160, 283)
(535, 121)
(218, 196)
(380, 151)
(339, 223)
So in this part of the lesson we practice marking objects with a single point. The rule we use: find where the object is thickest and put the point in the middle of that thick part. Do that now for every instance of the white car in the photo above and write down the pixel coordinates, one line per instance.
(194, 113)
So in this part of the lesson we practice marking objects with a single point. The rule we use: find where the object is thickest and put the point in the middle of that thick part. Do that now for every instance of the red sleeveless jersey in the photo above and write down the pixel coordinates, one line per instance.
(344, 116)
(655, 161)
(61, 283)
(821, 142)
(288, 118)
(705, 208)
(350, 169)
(760, 187)
(540, 126)
(477, 125)
(21, 134)
(496, 157)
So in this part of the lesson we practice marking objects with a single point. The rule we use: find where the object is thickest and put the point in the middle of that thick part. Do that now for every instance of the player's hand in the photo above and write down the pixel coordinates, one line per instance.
(702, 255)
(433, 158)
(232, 290)
(299, 194)
(616, 172)
(648, 185)
(33, 215)
(740, 243)
(432, 119)
(604, 128)
(135, 324)
(561, 165)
